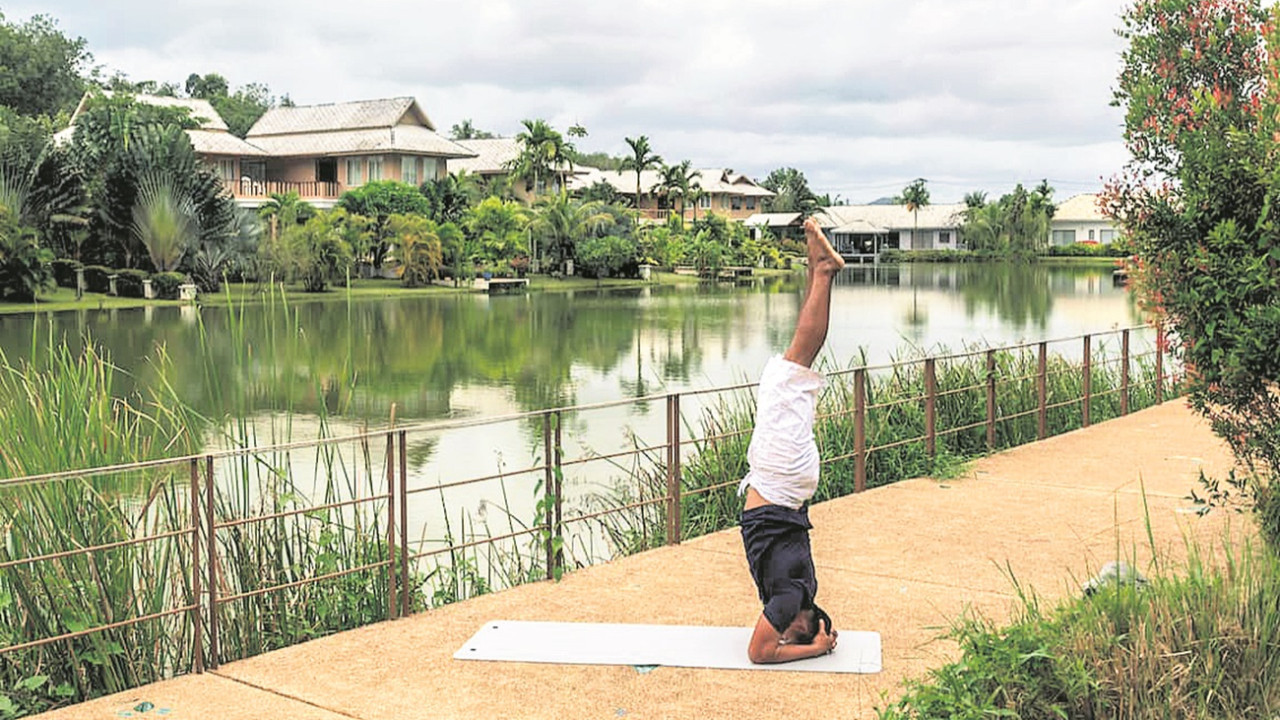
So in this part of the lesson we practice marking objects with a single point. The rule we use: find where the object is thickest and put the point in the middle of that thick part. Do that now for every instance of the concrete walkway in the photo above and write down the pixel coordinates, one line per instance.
(904, 560)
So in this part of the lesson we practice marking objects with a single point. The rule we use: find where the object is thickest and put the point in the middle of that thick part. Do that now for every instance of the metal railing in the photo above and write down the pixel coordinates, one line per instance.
(208, 528)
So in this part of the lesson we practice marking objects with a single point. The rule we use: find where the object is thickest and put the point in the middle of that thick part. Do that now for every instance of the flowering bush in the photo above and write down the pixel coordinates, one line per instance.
(1200, 88)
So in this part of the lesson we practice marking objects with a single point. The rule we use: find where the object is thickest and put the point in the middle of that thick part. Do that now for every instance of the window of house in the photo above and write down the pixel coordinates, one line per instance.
(735, 202)
(704, 202)
(1064, 237)
(1106, 236)
(375, 167)
(227, 170)
(327, 170)
(944, 237)
(355, 171)
(430, 168)
(751, 203)
(1091, 234)
(409, 170)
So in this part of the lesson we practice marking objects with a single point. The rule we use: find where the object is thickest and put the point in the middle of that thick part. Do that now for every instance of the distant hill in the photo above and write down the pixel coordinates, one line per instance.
(883, 201)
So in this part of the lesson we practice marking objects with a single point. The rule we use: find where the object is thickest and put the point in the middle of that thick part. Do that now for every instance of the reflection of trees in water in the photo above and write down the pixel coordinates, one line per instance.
(357, 358)
(1019, 295)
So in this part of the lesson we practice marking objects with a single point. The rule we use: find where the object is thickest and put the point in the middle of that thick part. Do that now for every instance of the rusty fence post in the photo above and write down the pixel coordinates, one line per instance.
(1160, 340)
(991, 399)
(859, 430)
(930, 407)
(211, 537)
(673, 469)
(392, 592)
(558, 475)
(1042, 393)
(1088, 381)
(197, 630)
(404, 524)
(1124, 372)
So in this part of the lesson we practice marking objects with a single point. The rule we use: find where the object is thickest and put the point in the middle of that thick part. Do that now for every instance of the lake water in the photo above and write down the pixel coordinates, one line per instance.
(462, 356)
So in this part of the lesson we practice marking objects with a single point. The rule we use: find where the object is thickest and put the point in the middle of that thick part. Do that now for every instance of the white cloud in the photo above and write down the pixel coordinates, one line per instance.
(863, 96)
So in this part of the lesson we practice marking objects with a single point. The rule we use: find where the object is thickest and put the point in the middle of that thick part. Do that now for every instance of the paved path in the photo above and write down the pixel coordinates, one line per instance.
(903, 560)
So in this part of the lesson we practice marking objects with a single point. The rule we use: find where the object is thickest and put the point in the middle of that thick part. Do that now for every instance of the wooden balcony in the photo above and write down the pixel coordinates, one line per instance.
(307, 190)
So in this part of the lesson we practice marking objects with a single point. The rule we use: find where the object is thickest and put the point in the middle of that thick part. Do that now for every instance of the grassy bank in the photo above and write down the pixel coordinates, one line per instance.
(1196, 641)
(62, 299)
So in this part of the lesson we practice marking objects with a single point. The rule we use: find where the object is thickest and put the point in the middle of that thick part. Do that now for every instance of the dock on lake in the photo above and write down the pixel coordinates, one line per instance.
(502, 286)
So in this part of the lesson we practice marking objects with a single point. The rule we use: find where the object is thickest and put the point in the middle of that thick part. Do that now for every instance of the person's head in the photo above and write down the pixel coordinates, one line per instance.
(805, 625)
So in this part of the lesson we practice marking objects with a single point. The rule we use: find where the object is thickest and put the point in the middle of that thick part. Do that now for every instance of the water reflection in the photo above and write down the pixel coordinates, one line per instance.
(457, 355)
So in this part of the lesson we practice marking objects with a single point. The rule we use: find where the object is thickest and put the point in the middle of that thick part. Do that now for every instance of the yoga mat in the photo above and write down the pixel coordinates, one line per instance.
(674, 645)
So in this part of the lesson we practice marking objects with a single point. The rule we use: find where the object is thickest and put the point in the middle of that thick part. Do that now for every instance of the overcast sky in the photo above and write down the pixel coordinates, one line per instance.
(861, 95)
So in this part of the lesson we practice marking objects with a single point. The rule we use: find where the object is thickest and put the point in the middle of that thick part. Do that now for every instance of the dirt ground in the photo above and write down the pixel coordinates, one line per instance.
(904, 560)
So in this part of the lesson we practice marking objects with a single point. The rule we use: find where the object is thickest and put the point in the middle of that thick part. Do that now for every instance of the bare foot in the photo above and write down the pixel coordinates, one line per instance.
(822, 257)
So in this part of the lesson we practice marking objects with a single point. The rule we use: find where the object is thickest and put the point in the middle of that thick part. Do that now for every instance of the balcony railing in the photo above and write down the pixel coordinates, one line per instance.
(246, 188)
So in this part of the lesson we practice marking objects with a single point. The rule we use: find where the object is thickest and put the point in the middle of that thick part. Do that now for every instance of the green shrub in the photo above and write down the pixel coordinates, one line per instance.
(1088, 250)
(98, 278)
(129, 283)
(166, 284)
(64, 272)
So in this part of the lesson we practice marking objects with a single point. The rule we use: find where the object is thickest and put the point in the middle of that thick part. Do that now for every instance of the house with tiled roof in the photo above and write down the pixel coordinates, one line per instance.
(724, 192)
(863, 231)
(493, 160)
(320, 151)
(211, 139)
(1080, 219)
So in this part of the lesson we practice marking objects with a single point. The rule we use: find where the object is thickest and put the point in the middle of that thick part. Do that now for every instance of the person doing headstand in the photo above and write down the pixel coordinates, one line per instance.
(782, 475)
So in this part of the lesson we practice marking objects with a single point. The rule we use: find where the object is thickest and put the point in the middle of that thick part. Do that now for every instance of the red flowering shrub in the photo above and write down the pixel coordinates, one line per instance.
(1199, 200)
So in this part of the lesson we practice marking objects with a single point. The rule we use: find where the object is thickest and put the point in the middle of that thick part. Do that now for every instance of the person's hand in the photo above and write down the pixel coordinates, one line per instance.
(824, 640)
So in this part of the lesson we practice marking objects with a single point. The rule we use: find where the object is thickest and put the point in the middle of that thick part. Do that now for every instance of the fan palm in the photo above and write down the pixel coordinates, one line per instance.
(164, 221)
(562, 223)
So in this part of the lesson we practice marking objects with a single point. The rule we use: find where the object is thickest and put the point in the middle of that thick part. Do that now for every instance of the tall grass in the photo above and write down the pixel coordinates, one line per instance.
(1198, 644)
(57, 412)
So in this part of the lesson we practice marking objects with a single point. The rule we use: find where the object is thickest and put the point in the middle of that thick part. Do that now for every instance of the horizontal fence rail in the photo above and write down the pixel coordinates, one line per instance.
(235, 561)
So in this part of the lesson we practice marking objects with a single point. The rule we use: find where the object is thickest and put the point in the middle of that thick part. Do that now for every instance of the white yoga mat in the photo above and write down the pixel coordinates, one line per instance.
(673, 645)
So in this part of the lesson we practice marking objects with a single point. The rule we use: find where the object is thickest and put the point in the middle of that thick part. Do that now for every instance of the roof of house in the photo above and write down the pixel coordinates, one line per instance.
(212, 137)
(389, 125)
(492, 156)
(871, 219)
(773, 219)
(1080, 208)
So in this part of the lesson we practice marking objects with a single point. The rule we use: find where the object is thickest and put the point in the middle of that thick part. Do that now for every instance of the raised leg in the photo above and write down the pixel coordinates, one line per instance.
(815, 313)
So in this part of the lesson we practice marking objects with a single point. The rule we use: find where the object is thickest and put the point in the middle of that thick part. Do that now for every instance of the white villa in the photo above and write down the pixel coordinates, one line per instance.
(1080, 219)
(861, 232)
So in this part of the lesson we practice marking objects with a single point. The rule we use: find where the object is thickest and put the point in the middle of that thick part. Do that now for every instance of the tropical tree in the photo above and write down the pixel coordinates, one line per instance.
(791, 192)
(25, 268)
(914, 196)
(561, 223)
(164, 221)
(496, 230)
(44, 69)
(451, 196)
(378, 201)
(676, 182)
(641, 158)
(543, 152)
(975, 199)
(604, 255)
(318, 252)
(419, 247)
(695, 195)
(465, 130)
(285, 210)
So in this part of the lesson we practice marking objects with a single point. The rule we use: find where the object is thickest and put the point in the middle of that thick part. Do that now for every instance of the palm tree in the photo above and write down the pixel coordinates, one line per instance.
(563, 223)
(676, 182)
(975, 199)
(914, 196)
(164, 222)
(542, 150)
(695, 195)
(642, 158)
